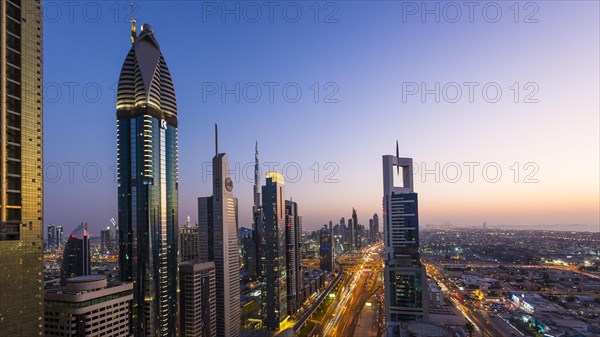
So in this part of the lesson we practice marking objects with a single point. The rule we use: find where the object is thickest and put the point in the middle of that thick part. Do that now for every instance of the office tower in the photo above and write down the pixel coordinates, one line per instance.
(106, 241)
(218, 220)
(350, 235)
(76, 255)
(326, 250)
(88, 306)
(293, 235)
(272, 232)
(189, 237)
(59, 236)
(21, 161)
(354, 230)
(148, 185)
(256, 217)
(197, 302)
(371, 231)
(375, 232)
(405, 282)
(249, 251)
(344, 235)
(51, 238)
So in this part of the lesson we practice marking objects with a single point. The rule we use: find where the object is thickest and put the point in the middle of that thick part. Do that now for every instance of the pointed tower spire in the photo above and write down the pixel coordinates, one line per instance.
(132, 19)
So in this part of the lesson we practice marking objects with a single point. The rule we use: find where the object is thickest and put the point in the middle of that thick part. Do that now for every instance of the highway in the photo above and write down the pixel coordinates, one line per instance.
(361, 282)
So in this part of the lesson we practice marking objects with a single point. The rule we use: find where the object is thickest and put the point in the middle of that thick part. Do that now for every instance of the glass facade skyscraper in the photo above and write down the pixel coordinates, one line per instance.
(148, 185)
(272, 234)
(21, 168)
(293, 236)
(404, 275)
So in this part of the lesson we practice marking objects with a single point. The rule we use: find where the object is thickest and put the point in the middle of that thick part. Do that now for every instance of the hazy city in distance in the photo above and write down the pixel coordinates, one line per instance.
(299, 168)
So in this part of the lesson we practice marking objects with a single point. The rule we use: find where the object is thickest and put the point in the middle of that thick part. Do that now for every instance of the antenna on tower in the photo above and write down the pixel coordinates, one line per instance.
(216, 140)
(397, 157)
(132, 19)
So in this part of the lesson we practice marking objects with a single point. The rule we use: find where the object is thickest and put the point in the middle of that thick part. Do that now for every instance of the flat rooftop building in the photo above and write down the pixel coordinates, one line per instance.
(88, 306)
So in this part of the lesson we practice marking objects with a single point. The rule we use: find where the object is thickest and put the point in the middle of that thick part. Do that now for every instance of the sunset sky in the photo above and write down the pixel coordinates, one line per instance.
(370, 61)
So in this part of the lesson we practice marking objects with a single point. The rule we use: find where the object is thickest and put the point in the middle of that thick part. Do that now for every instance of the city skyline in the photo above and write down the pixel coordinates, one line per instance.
(496, 101)
(506, 132)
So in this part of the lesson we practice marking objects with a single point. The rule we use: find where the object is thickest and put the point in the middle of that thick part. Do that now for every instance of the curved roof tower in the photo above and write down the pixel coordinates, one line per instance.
(147, 179)
(145, 81)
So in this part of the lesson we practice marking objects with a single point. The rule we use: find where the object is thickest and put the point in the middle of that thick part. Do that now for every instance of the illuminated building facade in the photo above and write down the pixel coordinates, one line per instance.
(293, 237)
(404, 275)
(88, 306)
(197, 305)
(21, 169)
(188, 237)
(272, 234)
(218, 228)
(148, 185)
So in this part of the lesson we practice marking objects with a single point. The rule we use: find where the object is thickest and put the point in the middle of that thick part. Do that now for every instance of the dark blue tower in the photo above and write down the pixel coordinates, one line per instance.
(148, 185)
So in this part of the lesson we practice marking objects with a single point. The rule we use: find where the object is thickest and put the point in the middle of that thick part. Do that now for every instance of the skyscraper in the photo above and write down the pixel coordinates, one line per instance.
(59, 236)
(188, 237)
(51, 238)
(257, 218)
(218, 220)
(405, 281)
(76, 255)
(106, 241)
(197, 305)
(272, 233)
(148, 185)
(248, 243)
(355, 230)
(350, 235)
(21, 161)
(375, 233)
(326, 249)
(293, 235)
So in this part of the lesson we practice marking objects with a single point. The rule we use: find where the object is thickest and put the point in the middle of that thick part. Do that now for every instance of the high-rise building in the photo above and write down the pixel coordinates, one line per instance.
(197, 302)
(351, 235)
(293, 235)
(189, 238)
(148, 185)
(88, 306)
(248, 251)
(405, 281)
(59, 236)
(51, 238)
(107, 241)
(76, 255)
(326, 249)
(355, 230)
(218, 220)
(272, 232)
(21, 161)
(257, 218)
(375, 231)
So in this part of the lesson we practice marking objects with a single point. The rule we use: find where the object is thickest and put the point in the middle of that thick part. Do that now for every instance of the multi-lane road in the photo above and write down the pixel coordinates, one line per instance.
(361, 282)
